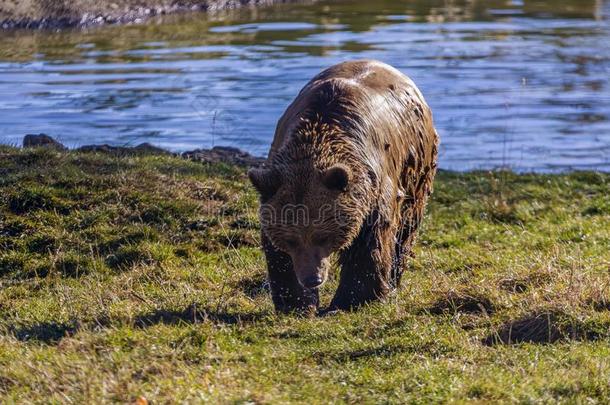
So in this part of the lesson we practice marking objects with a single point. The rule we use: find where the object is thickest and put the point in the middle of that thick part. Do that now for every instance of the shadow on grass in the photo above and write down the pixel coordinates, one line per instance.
(194, 314)
(386, 350)
(45, 332)
(53, 332)
(600, 304)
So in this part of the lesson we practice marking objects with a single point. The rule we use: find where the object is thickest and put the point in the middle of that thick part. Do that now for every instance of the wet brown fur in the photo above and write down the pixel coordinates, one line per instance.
(371, 121)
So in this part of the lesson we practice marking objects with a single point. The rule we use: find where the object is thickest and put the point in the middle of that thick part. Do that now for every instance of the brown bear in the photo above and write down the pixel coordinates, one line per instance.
(349, 172)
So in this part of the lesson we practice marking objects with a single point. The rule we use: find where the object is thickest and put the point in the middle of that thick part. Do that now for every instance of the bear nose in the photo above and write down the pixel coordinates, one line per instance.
(313, 281)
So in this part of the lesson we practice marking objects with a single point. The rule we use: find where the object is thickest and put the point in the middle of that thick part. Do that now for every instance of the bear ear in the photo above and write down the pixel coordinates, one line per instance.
(266, 181)
(337, 177)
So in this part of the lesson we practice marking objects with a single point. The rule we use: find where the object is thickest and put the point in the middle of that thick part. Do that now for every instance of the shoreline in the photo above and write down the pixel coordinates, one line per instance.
(217, 154)
(234, 156)
(56, 15)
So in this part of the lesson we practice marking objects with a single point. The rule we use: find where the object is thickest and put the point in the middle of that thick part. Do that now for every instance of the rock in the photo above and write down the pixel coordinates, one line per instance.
(41, 141)
(152, 149)
(224, 154)
(141, 149)
(218, 154)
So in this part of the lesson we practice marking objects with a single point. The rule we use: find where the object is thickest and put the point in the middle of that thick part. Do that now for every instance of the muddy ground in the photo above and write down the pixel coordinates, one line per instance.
(54, 14)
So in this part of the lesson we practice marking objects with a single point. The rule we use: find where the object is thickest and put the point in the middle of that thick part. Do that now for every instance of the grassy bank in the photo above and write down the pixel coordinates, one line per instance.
(141, 276)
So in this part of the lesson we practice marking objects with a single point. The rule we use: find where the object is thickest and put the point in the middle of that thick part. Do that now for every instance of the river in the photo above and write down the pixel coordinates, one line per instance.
(518, 84)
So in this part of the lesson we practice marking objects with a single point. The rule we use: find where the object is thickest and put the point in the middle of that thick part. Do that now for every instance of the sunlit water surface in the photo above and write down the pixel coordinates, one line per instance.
(519, 84)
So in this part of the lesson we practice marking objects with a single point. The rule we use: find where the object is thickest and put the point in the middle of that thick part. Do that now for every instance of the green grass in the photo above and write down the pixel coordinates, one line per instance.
(141, 276)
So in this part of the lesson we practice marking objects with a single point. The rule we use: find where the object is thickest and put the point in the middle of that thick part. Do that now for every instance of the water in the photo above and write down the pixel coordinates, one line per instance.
(519, 84)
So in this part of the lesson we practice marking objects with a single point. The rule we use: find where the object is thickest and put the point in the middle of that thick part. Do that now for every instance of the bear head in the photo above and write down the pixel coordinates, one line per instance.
(311, 210)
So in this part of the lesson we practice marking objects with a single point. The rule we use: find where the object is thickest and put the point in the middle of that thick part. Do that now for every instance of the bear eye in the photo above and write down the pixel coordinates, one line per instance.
(292, 243)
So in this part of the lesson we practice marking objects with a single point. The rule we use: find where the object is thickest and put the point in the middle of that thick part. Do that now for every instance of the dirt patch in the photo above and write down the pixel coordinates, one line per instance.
(255, 286)
(541, 327)
(520, 285)
(461, 302)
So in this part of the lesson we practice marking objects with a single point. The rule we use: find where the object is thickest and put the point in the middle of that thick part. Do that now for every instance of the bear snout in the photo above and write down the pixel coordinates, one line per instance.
(310, 269)
(313, 281)
(312, 277)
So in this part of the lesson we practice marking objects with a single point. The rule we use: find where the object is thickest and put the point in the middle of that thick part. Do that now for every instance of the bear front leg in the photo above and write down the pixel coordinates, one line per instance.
(365, 268)
(287, 294)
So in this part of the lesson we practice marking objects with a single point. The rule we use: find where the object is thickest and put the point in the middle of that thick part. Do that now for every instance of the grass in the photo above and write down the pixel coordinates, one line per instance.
(133, 276)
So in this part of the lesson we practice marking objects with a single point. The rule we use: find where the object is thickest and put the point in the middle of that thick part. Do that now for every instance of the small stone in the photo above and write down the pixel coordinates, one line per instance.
(41, 141)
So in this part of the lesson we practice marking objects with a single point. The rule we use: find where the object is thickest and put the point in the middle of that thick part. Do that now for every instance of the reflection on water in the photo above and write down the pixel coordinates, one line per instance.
(514, 83)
